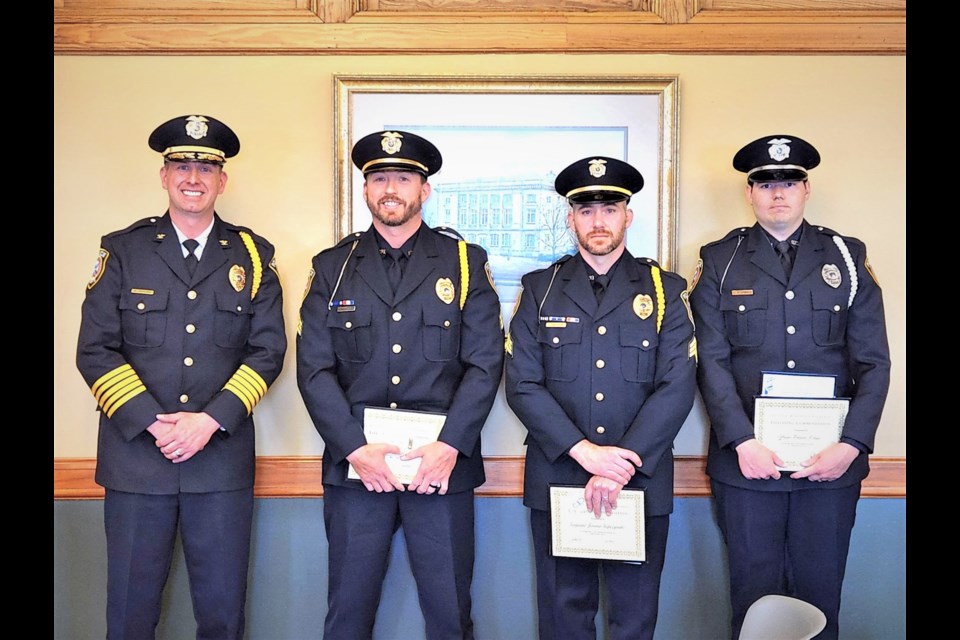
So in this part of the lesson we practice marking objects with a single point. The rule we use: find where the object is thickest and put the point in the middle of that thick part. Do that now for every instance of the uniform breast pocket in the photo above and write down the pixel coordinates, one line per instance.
(143, 318)
(561, 351)
(352, 335)
(745, 318)
(231, 328)
(829, 317)
(441, 333)
(638, 354)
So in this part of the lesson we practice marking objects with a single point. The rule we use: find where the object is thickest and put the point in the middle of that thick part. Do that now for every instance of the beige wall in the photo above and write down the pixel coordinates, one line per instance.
(282, 183)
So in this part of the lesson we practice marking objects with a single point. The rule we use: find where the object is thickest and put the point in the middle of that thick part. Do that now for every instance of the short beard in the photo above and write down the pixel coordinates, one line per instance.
(615, 241)
(412, 210)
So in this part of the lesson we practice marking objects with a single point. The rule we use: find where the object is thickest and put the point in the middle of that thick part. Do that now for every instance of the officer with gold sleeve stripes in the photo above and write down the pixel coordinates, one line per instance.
(181, 335)
(601, 371)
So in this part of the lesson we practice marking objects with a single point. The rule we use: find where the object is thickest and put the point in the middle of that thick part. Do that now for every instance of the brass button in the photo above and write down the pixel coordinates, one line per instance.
(191, 295)
(446, 323)
(556, 340)
(141, 306)
(188, 361)
(396, 316)
(397, 348)
(791, 364)
(191, 328)
(347, 324)
(836, 307)
(395, 379)
(789, 295)
(600, 429)
(239, 308)
(393, 405)
(741, 308)
(599, 396)
(602, 330)
(601, 364)
(791, 329)
(645, 343)
(184, 399)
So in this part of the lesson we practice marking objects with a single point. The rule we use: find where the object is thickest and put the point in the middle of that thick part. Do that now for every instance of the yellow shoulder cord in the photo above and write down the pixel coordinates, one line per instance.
(661, 299)
(257, 263)
(464, 272)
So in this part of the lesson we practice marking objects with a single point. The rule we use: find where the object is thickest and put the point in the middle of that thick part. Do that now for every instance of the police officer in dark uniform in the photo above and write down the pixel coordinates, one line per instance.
(787, 296)
(602, 372)
(404, 317)
(181, 335)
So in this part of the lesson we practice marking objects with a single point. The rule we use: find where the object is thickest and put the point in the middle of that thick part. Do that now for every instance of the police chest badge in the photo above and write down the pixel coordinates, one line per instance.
(237, 277)
(831, 275)
(643, 306)
(445, 290)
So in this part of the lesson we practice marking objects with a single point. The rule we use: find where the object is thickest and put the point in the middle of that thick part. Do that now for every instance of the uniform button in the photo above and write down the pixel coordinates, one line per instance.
(393, 405)
(141, 306)
(741, 308)
(396, 316)
(791, 364)
(395, 379)
(191, 328)
(600, 429)
(791, 329)
(239, 308)
(602, 330)
(347, 324)
(191, 295)
(836, 307)
(645, 343)
(599, 396)
(446, 323)
(184, 399)
(789, 295)
(601, 364)
(188, 361)
(556, 340)
(397, 348)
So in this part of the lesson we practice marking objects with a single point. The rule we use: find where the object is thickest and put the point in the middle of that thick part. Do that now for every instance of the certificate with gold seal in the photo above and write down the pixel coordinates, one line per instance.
(578, 533)
(405, 429)
(797, 428)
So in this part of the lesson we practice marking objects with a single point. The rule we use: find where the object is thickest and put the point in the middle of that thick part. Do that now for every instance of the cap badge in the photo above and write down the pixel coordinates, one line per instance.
(238, 277)
(445, 290)
(831, 275)
(598, 168)
(643, 306)
(196, 127)
(391, 142)
(779, 149)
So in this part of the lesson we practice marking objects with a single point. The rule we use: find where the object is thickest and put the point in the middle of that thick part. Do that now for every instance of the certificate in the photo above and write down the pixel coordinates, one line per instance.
(405, 429)
(797, 428)
(578, 533)
(784, 384)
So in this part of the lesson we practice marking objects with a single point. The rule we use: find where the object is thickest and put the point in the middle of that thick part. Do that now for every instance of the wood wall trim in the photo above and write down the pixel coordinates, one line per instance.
(299, 477)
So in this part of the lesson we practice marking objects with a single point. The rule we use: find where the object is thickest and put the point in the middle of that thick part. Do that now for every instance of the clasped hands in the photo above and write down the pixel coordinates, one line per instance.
(612, 469)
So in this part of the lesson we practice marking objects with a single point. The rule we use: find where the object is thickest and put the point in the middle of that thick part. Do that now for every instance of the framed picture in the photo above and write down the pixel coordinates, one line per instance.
(503, 141)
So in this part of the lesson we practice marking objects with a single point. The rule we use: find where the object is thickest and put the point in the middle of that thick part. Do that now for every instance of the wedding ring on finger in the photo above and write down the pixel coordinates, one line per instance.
(177, 453)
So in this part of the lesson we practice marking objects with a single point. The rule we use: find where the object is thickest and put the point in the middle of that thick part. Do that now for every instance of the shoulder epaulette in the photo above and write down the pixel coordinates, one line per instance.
(450, 232)
(346, 241)
(650, 262)
(738, 232)
(139, 224)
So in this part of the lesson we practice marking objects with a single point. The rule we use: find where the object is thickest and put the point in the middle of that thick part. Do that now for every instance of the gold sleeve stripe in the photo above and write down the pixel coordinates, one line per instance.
(252, 378)
(116, 387)
(255, 260)
(237, 389)
(661, 298)
(247, 385)
(464, 272)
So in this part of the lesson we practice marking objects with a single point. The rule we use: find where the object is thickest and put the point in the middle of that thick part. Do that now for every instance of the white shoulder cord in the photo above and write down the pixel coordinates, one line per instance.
(549, 286)
(727, 268)
(851, 268)
(333, 293)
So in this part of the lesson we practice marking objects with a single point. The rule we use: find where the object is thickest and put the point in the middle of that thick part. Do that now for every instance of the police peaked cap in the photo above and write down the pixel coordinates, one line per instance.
(598, 179)
(396, 151)
(195, 138)
(779, 157)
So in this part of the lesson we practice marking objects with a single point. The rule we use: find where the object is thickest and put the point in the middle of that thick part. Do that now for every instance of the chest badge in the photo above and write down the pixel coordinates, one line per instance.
(238, 278)
(831, 275)
(445, 290)
(643, 306)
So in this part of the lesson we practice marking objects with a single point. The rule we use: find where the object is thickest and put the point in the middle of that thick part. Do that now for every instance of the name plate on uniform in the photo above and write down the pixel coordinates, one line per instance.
(405, 429)
(578, 533)
(797, 428)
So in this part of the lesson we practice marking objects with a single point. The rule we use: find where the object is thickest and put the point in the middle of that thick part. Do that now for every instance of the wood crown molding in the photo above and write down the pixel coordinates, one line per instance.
(299, 477)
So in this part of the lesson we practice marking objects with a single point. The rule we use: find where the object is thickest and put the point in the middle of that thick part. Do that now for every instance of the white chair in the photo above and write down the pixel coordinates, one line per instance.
(782, 618)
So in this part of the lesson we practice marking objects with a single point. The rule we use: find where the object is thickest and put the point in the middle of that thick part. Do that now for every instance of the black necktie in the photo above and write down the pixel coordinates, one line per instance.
(191, 259)
(395, 267)
(600, 283)
(785, 251)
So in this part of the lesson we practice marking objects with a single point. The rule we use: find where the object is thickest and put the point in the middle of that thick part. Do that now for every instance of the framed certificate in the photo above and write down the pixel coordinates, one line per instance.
(578, 533)
(797, 428)
(405, 429)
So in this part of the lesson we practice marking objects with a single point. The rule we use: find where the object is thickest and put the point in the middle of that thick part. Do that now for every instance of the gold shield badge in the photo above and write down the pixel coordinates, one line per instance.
(831, 275)
(643, 306)
(597, 168)
(391, 142)
(238, 277)
(445, 290)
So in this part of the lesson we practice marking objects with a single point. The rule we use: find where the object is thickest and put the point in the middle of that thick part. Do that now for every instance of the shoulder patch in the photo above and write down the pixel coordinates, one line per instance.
(869, 268)
(98, 268)
(695, 278)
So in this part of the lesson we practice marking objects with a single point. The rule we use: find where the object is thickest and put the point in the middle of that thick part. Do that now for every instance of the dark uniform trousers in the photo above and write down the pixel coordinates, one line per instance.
(620, 372)
(154, 339)
(425, 348)
(787, 536)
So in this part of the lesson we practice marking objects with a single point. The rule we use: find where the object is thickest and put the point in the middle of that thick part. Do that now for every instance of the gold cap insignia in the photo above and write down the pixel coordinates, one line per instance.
(445, 290)
(98, 268)
(831, 275)
(390, 142)
(643, 306)
(196, 127)
(779, 149)
(598, 168)
(238, 278)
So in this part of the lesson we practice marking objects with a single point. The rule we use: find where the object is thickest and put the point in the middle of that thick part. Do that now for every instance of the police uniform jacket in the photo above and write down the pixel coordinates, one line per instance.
(621, 373)
(827, 319)
(154, 340)
(417, 350)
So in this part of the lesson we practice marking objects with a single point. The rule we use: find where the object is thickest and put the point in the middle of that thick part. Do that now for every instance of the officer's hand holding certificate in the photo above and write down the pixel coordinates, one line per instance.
(407, 430)
(579, 533)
